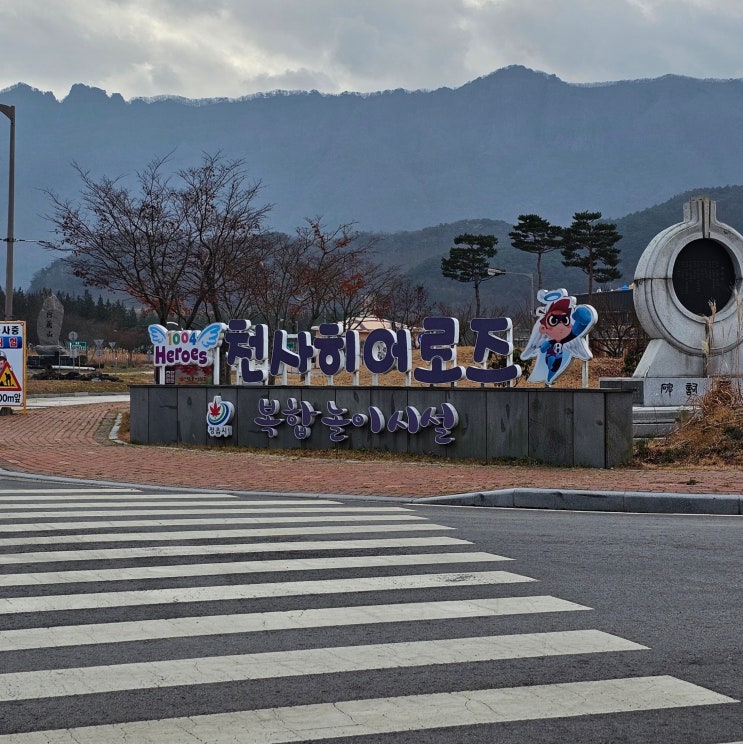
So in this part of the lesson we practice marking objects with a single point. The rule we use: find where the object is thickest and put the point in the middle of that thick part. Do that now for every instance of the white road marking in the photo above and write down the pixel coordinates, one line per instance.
(298, 663)
(395, 714)
(64, 511)
(111, 524)
(186, 627)
(51, 492)
(205, 534)
(138, 498)
(167, 551)
(146, 573)
(11, 605)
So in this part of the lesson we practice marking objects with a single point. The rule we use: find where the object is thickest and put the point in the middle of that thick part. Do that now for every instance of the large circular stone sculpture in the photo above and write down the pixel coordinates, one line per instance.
(686, 295)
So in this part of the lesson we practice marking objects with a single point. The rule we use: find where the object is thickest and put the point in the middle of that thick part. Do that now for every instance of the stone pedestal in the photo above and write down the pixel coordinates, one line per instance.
(660, 391)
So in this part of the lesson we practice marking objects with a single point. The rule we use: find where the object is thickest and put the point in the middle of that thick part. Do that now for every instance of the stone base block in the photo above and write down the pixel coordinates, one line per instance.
(648, 423)
(624, 383)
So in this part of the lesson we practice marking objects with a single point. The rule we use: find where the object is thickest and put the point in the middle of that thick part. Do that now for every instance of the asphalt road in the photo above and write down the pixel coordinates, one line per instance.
(669, 582)
(156, 616)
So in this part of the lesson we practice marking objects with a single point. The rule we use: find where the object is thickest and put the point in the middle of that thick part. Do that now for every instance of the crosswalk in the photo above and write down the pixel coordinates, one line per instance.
(128, 616)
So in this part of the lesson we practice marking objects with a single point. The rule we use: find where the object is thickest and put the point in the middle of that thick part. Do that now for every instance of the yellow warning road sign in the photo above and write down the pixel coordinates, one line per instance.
(8, 381)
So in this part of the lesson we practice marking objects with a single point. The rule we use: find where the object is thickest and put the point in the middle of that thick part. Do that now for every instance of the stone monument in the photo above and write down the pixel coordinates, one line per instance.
(686, 296)
(49, 326)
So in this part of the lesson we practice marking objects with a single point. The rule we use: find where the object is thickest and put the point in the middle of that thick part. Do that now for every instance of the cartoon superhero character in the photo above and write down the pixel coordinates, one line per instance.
(558, 335)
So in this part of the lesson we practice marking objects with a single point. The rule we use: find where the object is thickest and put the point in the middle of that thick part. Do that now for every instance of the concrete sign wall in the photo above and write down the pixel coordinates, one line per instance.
(579, 427)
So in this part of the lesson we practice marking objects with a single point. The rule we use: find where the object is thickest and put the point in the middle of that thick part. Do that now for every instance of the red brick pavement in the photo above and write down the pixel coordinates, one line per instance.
(72, 441)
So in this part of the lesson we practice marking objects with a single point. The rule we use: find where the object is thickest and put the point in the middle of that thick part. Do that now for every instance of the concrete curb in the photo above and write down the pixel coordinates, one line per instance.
(606, 501)
(639, 502)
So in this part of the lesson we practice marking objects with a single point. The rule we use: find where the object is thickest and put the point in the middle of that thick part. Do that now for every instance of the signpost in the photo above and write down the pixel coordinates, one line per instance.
(12, 365)
(77, 348)
(98, 349)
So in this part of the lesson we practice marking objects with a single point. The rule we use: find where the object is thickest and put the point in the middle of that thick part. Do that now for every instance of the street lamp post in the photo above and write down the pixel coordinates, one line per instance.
(501, 272)
(9, 111)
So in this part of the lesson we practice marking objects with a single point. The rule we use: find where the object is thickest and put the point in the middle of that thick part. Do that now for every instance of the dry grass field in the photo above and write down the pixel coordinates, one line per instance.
(712, 437)
(116, 379)
(109, 381)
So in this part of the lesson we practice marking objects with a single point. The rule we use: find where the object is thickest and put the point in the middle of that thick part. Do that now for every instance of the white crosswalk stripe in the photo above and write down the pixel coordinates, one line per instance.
(32, 515)
(61, 602)
(385, 715)
(110, 524)
(62, 498)
(80, 634)
(115, 493)
(206, 670)
(163, 551)
(241, 567)
(122, 632)
(180, 535)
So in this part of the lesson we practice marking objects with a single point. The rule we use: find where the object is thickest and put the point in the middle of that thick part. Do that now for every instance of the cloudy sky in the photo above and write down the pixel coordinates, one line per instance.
(207, 48)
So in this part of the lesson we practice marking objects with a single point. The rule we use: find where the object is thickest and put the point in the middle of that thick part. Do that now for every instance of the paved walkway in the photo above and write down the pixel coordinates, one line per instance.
(56, 438)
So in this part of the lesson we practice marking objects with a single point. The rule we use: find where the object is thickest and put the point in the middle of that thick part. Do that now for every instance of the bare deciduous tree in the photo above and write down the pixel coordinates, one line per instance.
(192, 247)
(181, 249)
(407, 304)
(130, 242)
(223, 228)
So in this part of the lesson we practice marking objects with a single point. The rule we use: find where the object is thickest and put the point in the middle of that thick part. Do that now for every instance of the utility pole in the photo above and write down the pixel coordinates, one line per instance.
(9, 111)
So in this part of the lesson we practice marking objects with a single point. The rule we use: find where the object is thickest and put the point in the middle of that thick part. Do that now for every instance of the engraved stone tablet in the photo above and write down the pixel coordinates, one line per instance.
(49, 324)
(703, 273)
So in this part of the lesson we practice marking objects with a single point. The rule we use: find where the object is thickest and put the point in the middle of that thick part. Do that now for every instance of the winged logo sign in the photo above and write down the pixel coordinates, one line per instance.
(186, 353)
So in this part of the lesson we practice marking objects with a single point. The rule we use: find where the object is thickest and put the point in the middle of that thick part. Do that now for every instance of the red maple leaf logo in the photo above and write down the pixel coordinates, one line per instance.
(215, 408)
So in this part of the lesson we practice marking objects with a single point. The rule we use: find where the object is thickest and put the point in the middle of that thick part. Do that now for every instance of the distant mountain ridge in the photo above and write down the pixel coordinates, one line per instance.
(516, 141)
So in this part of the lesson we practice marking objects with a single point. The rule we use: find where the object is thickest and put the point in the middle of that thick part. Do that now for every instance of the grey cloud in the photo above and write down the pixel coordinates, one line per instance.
(204, 48)
(586, 41)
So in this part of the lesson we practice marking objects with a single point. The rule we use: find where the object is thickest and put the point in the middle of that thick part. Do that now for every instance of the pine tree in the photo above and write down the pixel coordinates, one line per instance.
(469, 263)
(534, 234)
(589, 245)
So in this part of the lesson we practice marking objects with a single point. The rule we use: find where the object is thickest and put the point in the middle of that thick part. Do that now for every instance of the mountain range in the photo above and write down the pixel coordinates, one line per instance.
(399, 163)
